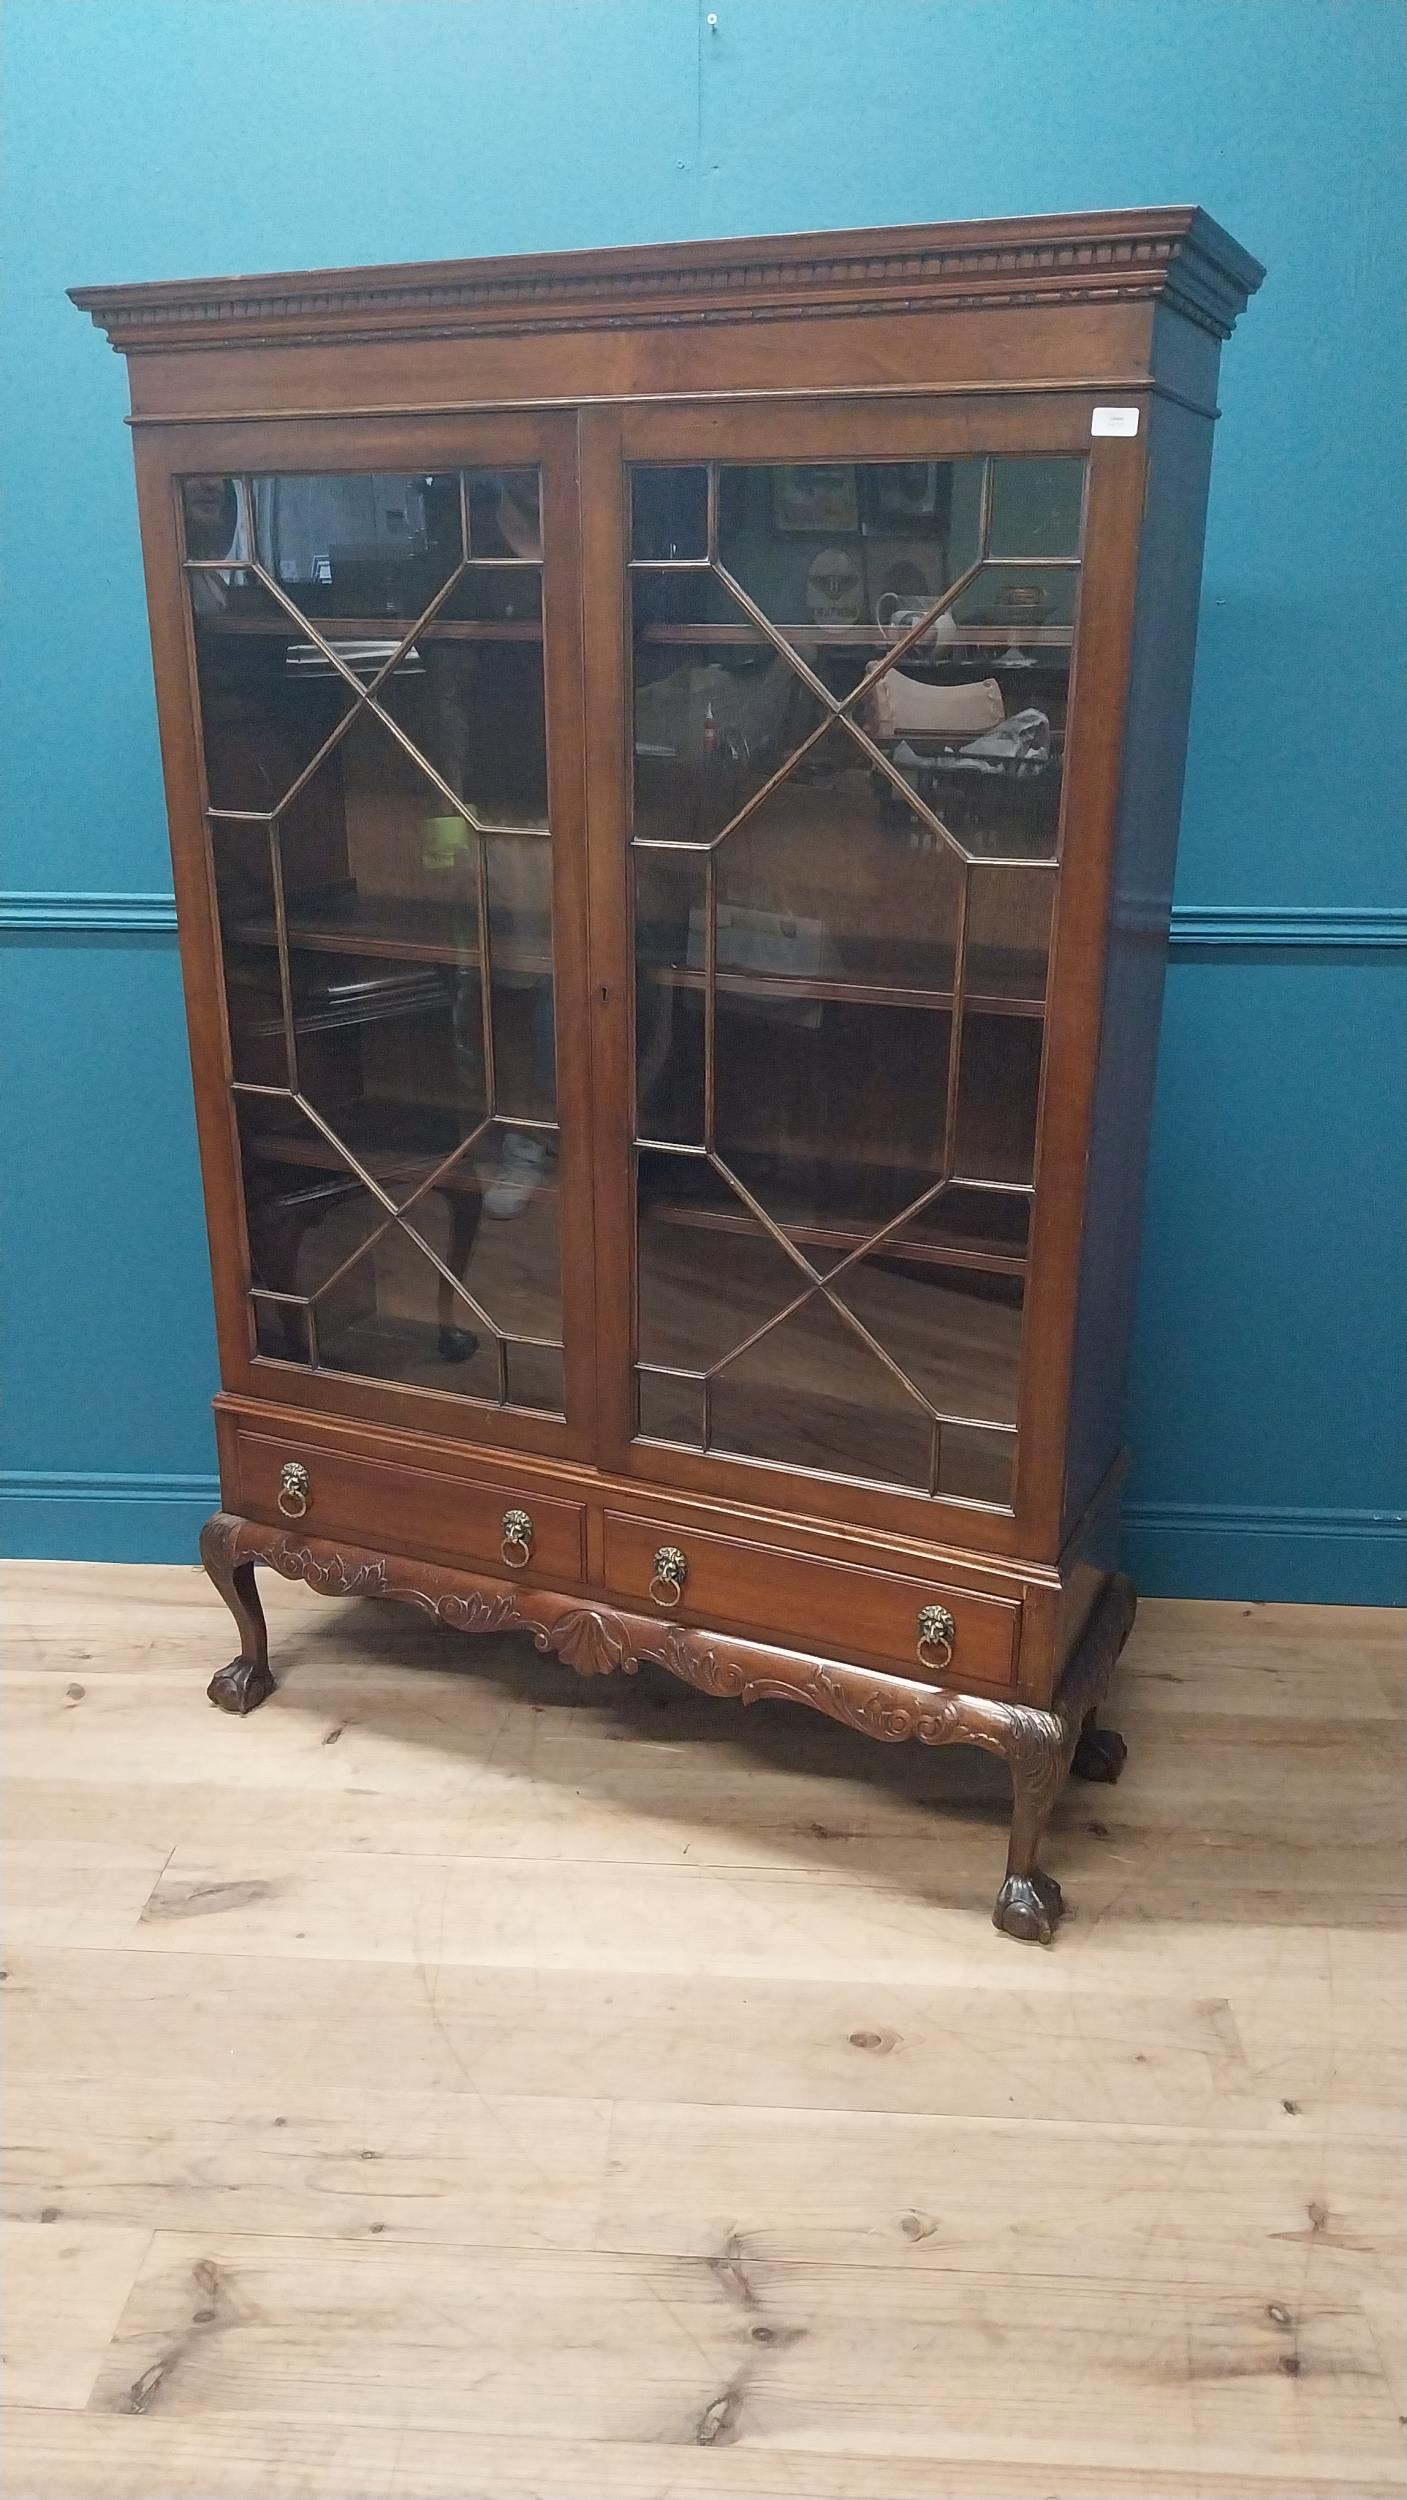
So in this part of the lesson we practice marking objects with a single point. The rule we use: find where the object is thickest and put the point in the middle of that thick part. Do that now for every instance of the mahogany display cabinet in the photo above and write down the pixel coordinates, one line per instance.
(673, 759)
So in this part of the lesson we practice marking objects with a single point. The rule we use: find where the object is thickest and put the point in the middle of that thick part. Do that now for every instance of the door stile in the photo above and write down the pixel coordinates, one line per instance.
(602, 486)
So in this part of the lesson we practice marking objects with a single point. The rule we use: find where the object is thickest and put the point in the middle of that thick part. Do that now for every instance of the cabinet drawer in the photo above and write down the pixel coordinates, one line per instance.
(410, 1510)
(757, 1590)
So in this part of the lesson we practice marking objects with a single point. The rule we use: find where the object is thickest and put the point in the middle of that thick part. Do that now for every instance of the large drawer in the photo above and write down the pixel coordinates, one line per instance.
(808, 1604)
(410, 1510)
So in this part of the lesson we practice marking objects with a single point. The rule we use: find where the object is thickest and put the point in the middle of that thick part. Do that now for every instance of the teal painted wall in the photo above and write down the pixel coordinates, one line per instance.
(153, 139)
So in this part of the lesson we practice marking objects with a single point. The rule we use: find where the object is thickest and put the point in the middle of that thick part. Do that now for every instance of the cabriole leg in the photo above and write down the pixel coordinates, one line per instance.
(1029, 1904)
(246, 1681)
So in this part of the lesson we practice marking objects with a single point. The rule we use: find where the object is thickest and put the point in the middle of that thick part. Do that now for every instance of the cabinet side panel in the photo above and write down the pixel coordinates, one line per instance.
(1164, 642)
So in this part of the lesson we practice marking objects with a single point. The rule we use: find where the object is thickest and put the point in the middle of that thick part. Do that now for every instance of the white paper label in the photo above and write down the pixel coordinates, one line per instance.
(1114, 421)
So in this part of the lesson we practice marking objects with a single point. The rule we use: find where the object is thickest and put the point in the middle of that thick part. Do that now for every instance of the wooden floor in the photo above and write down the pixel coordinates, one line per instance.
(468, 2083)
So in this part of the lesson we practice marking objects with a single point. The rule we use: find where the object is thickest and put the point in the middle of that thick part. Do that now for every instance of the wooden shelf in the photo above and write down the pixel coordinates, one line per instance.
(395, 629)
(343, 1006)
(987, 1258)
(392, 629)
(392, 1140)
(862, 638)
(389, 930)
(847, 992)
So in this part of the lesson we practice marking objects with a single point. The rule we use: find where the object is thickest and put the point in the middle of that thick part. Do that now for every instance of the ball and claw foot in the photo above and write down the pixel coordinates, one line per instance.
(241, 1686)
(1100, 1753)
(1030, 1907)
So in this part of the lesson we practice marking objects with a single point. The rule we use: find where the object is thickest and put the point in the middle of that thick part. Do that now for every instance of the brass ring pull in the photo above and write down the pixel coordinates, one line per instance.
(936, 1634)
(517, 1534)
(294, 1490)
(670, 1573)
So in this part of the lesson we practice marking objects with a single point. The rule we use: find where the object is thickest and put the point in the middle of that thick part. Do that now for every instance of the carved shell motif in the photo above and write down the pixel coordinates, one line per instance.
(592, 1643)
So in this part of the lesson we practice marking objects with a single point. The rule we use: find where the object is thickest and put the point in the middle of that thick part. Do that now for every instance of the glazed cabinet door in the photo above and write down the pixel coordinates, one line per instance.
(382, 646)
(842, 815)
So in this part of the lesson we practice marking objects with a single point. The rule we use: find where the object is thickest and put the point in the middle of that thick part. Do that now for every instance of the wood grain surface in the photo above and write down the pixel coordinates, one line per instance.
(472, 2083)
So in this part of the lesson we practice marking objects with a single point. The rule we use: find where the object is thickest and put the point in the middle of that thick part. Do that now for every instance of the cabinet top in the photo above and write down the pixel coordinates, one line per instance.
(1178, 255)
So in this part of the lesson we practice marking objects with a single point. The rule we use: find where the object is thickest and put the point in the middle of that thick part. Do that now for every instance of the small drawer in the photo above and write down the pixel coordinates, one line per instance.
(759, 1591)
(411, 1510)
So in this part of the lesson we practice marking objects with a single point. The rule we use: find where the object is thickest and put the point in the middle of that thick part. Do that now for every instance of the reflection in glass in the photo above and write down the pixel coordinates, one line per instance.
(1009, 913)
(535, 1378)
(713, 721)
(975, 1465)
(384, 891)
(670, 1409)
(813, 1394)
(339, 545)
(280, 1329)
(504, 516)
(998, 1082)
(1037, 507)
(847, 1127)
(955, 1334)
(850, 710)
(669, 515)
(708, 1272)
(671, 924)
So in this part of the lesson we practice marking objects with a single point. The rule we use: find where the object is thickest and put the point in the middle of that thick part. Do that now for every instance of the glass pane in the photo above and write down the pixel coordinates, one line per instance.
(358, 546)
(280, 1329)
(505, 520)
(669, 515)
(393, 1317)
(717, 708)
(835, 1117)
(269, 699)
(850, 717)
(956, 1335)
(833, 548)
(407, 953)
(390, 1055)
(813, 1394)
(474, 711)
(512, 1263)
(986, 1227)
(1009, 913)
(306, 1209)
(671, 917)
(998, 1079)
(671, 1409)
(709, 1273)
(833, 880)
(518, 877)
(535, 1378)
(973, 721)
(381, 1307)
(254, 1006)
(506, 594)
(1037, 507)
(975, 1466)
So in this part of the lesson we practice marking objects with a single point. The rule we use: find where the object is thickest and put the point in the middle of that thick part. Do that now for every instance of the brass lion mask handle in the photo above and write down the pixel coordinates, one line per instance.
(670, 1573)
(937, 1633)
(295, 1490)
(517, 1545)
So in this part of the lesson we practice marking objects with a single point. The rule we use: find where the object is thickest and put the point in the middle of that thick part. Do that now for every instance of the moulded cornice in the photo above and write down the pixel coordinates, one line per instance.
(1178, 255)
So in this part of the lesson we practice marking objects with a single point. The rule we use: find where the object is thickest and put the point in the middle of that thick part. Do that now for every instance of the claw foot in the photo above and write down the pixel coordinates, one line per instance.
(240, 1686)
(1029, 1906)
(1100, 1753)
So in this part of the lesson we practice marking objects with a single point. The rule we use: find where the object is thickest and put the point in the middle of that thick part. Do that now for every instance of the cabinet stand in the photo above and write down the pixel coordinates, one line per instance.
(1040, 1747)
